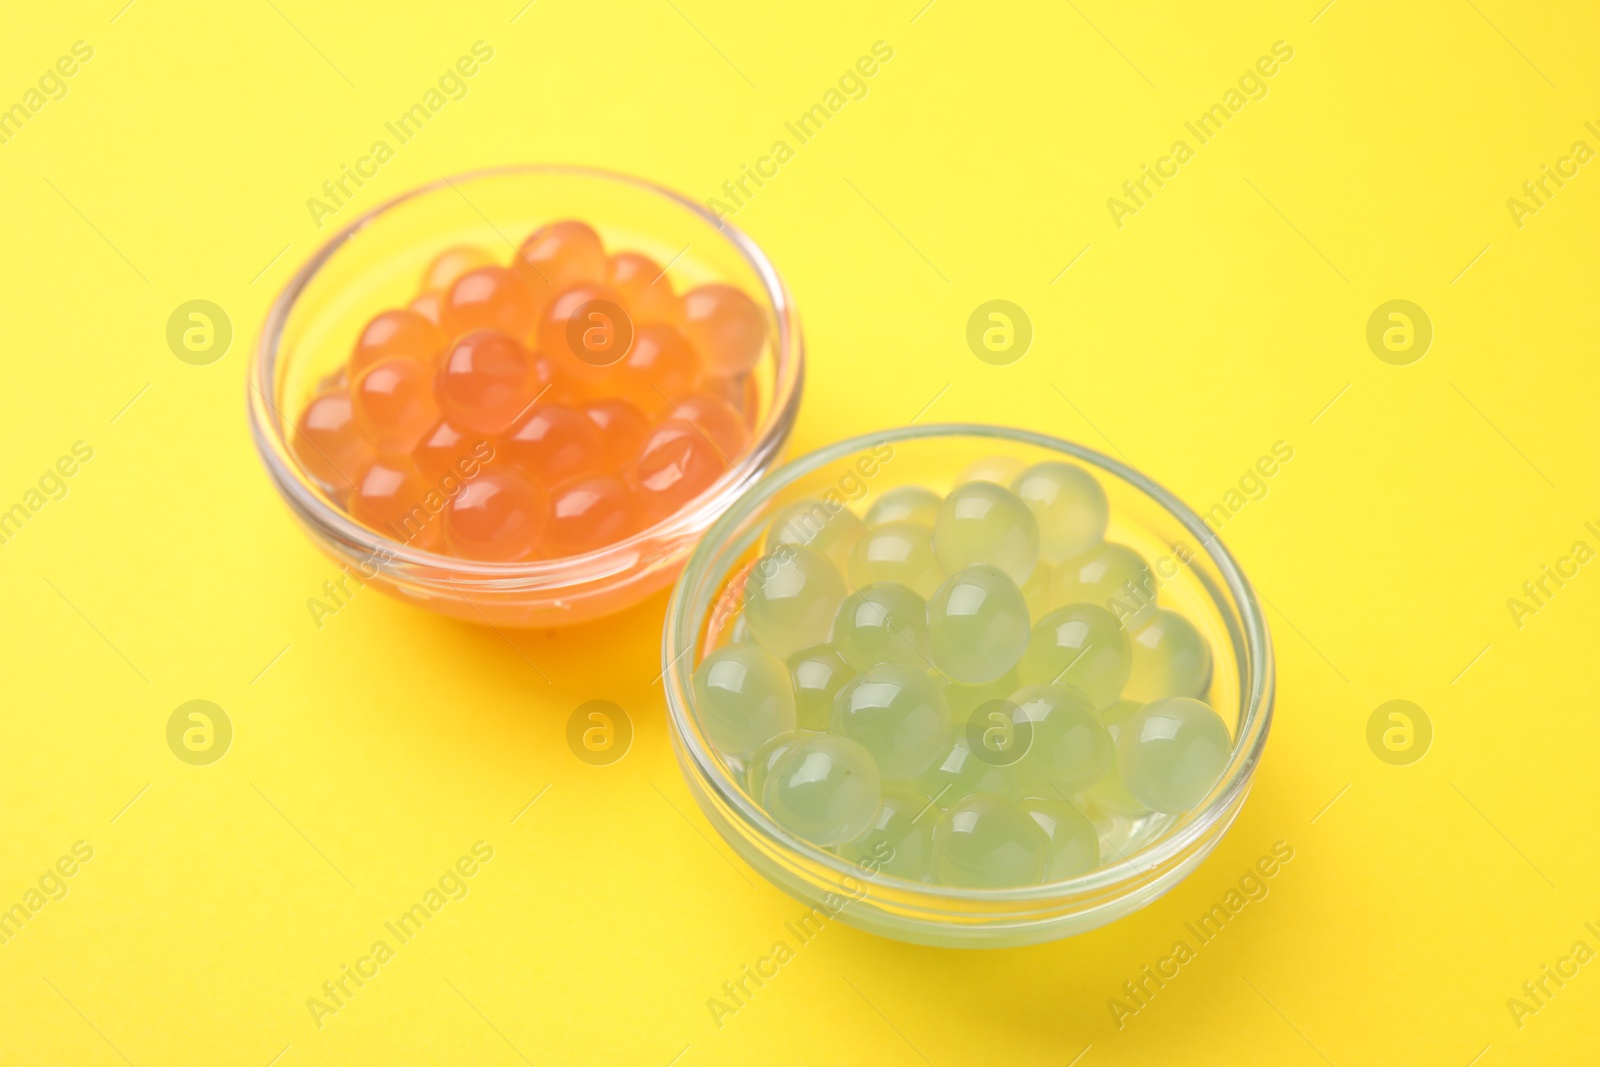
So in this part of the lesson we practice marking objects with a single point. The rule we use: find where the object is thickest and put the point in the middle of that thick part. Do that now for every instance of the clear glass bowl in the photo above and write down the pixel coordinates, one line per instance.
(1141, 858)
(376, 262)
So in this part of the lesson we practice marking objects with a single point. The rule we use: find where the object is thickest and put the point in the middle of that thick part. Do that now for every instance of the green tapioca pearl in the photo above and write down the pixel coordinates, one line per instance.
(977, 625)
(758, 768)
(899, 714)
(819, 672)
(900, 552)
(1109, 793)
(1081, 646)
(1037, 590)
(791, 597)
(1074, 842)
(743, 698)
(823, 789)
(960, 773)
(1070, 748)
(986, 842)
(1170, 659)
(900, 840)
(905, 503)
(1113, 576)
(817, 526)
(882, 622)
(981, 522)
(1069, 505)
(1171, 752)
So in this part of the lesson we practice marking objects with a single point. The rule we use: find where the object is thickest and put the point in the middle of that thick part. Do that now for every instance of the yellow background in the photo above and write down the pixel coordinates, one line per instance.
(1224, 316)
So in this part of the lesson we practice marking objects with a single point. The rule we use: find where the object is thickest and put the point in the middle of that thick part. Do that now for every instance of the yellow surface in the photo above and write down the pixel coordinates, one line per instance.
(1228, 313)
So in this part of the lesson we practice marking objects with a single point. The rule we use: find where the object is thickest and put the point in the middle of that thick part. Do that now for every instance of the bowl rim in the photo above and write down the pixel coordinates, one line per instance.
(270, 428)
(681, 634)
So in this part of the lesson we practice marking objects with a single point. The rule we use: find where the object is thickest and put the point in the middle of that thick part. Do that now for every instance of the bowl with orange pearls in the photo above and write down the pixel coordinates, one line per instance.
(519, 396)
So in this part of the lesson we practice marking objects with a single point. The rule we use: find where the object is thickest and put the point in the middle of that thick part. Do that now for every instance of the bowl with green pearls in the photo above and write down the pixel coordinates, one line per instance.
(965, 685)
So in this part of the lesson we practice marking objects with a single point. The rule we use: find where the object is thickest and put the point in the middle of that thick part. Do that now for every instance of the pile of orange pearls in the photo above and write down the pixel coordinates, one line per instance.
(539, 410)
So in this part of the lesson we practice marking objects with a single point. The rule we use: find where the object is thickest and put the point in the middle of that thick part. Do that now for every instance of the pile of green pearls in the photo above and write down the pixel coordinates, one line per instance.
(954, 688)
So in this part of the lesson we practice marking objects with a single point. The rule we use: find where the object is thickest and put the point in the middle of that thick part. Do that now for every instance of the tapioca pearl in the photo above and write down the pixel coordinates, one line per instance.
(1170, 659)
(987, 842)
(392, 498)
(882, 623)
(721, 424)
(327, 442)
(725, 326)
(567, 333)
(899, 714)
(393, 404)
(645, 289)
(791, 597)
(675, 465)
(451, 264)
(1069, 505)
(398, 332)
(1081, 646)
(622, 426)
(1113, 576)
(447, 451)
(1171, 752)
(977, 625)
(1109, 793)
(959, 773)
(554, 443)
(498, 516)
(759, 766)
(899, 841)
(486, 298)
(1069, 748)
(905, 503)
(825, 790)
(742, 698)
(1001, 470)
(485, 381)
(1074, 841)
(659, 367)
(558, 256)
(819, 672)
(818, 526)
(587, 514)
(982, 522)
(896, 552)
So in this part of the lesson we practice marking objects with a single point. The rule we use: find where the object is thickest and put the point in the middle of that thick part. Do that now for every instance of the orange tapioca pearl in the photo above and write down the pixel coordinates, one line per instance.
(446, 450)
(558, 256)
(644, 288)
(661, 365)
(726, 326)
(554, 443)
(427, 305)
(716, 419)
(499, 515)
(485, 380)
(622, 428)
(487, 298)
(587, 514)
(397, 332)
(327, 442)
(393, 498)
(588, 332)
(675, 465)
(451, 264)
(393, 403)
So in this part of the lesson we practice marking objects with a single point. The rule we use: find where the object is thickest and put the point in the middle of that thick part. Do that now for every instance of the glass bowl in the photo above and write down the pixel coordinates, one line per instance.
(1141, 857)
(376, 262)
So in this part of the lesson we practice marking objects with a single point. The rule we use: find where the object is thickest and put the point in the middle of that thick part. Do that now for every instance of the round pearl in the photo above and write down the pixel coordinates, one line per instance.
(1080, 646)
(1170, 659)
(1171, 752)
(977, 625)
(982, 522)
(823, 789)
(791, 597)
(743, 698)
(985, 842)
(1069, 505)
(899, 714)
